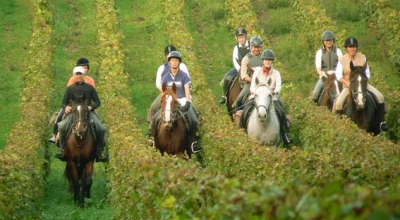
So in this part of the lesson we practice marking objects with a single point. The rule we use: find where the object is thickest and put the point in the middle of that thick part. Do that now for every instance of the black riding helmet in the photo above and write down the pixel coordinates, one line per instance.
(351, 41)
(268, 54)
(168, 49)
(174, 54)
(241, 31)
(82, 62)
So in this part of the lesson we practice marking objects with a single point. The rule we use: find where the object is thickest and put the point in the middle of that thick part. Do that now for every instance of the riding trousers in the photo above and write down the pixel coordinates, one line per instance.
(338, 105)
(153, 108)
(317, 89)
(242, 96)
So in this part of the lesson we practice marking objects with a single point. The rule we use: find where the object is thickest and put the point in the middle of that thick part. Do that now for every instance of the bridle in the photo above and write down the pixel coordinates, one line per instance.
(267, 108)
(81, 119)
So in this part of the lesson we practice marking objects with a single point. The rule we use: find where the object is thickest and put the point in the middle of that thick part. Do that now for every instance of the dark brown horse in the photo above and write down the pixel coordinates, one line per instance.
(360, 106)
(170, 131)
(232, 94)
(330, 91)
(80, 151)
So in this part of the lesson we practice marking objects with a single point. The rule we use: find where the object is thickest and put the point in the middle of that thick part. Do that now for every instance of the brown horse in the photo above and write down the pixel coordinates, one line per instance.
(80, 151)
(360, 106)
(170, 131)
(330, 91)
(232, 94)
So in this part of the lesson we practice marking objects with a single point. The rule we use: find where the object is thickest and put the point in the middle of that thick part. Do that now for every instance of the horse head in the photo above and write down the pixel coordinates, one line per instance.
(169, 105)
(332, 85)
(262, 98)
(358, 85)
(80, 116)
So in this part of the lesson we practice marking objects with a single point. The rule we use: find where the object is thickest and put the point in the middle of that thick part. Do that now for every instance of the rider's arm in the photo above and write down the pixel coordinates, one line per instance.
(367, 71)
(158, 77)
(278, 82)
(187, 92)
(318, 62)
(243, 70)
(96, 100)
(235, 58)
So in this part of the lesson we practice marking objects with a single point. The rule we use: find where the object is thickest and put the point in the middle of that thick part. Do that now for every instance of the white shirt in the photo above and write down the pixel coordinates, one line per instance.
(274, 75)
(235, 55)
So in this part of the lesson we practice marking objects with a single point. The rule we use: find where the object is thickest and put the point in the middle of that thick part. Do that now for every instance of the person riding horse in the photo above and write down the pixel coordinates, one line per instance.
(182, 82)
(326, 59)
(161, 71)
(343, 75)
(78, 89)
(83, 62)
(249, 64)
(272, 77)
(239, 51)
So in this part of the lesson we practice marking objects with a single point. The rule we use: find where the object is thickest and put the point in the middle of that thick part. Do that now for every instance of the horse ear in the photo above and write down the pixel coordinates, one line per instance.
(257, 81)
(73, 98)
(164, 86)
(269, 82)
(365, 65)
(351, 65)
(84, 98)
(174, 87)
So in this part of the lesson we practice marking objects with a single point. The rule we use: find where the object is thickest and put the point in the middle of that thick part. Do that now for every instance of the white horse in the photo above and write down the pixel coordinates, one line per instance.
(263, 122)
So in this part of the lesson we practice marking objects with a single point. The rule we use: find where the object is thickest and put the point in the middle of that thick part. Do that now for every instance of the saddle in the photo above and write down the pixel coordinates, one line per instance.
(244, 118)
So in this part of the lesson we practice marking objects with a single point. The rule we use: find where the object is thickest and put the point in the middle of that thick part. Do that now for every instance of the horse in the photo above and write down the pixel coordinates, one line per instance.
(263, 123)
(80, 151)
(360, 106)
(169, 129)
(332, 88)
(232, 94)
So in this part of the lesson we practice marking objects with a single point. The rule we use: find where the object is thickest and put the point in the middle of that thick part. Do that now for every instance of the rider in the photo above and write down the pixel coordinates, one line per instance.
(182, 82)
(250, 63)
(343, 75)
(326, 59)
(83, 62)
(264, 74)
(239, 51)
(161, 71)
(78, 89)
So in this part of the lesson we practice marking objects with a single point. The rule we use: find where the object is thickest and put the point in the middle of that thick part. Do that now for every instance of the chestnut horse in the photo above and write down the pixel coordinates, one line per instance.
(232, 94)
(80, 151)
(169, 129)
(330, 91)
(360, 106)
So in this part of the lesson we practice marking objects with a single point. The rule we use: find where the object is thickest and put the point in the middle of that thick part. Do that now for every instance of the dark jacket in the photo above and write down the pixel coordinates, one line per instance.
(78, 89)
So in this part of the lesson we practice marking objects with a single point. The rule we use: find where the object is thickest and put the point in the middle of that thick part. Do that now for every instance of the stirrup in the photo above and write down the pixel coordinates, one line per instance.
(383, 126)
(193, 145)
(222, 101)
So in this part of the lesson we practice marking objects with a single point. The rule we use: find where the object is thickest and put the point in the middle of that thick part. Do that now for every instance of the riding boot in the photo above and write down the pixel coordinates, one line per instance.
(285, 133)
(61, 155)
(100, 157)
(381, 117)
(223, 99)
(53, 138)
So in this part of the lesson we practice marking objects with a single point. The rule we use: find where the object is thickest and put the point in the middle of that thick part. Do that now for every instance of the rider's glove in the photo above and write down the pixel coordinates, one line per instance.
(185, 107)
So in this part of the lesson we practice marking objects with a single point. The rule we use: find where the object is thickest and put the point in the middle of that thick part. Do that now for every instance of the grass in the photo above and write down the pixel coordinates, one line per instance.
(15, 29)
(144, 45)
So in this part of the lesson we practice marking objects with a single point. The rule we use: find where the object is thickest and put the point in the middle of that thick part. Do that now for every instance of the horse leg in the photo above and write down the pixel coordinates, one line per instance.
(73, 178)
(88, 181)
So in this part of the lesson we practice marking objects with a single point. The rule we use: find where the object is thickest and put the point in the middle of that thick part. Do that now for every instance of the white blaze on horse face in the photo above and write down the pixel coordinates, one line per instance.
(79, 109)
(167, 116)
(360, 97)
(262, 100)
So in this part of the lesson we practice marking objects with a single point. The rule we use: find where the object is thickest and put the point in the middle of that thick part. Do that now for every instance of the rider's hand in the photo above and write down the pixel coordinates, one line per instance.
(68, 109)
(185, 107)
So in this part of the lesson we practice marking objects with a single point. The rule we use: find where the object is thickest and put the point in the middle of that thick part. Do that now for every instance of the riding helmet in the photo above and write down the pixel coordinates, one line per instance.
(328, 35)
(256, 41)
(82, 62)
(268, 54)
(241, 31)
(174, 54)
(351, 41)
(168, 49)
